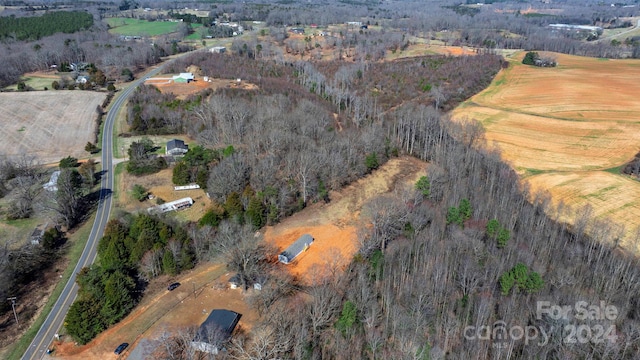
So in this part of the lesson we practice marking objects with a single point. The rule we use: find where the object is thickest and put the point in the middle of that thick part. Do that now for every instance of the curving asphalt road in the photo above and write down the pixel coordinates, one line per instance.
(38, 347)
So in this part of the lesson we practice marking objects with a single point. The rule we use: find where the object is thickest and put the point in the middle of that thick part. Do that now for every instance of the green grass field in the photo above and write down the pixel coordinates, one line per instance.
(35, 82)
(135, 27)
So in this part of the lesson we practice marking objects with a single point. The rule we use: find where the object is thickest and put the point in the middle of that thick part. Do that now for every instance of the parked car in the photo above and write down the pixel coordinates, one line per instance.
(173, 286)
(121, 348)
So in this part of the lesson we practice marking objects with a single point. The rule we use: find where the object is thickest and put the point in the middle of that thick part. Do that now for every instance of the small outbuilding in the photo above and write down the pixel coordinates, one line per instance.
(52, 185)
(235, 281)
(215, 331)
(218, 49)
(176, 147)
(298, 247)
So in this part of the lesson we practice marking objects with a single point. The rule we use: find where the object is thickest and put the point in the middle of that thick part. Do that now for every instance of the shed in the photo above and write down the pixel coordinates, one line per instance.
(218, 49)
(215, 330)
(235, 281)
(176, 147)
(37, 235)
(295, 249)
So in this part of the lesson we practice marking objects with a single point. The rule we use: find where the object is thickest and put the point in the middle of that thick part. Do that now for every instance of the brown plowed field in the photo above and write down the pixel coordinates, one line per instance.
(48, 124)
(562, 127)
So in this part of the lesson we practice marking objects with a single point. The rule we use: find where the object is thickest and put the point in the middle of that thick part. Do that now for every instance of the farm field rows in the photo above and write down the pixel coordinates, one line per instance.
(48, 124)
(566, 130)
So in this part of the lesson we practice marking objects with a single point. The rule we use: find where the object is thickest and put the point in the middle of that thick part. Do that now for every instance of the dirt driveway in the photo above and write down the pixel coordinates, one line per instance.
(202, 289)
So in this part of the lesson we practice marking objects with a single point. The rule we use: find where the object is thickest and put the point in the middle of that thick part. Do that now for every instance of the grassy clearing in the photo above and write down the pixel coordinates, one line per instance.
(15, 233)
(135, 27)
(76, 242)
(34, 82)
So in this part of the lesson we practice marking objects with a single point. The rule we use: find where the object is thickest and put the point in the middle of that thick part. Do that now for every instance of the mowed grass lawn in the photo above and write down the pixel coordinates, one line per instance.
(135, 27)
(565, 129)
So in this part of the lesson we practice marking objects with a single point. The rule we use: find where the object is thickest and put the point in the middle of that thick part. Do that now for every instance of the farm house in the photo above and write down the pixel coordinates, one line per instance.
(215, 330)
(176, 147)
(295, 249)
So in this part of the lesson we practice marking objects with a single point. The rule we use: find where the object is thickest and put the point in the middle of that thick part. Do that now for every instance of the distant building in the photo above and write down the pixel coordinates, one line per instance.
(183, 78)
(82, 79)
(218, 49)
(298, 247)
(215, 331)
(52, 185)
(176, 147)
(297, 30)
(38, 234)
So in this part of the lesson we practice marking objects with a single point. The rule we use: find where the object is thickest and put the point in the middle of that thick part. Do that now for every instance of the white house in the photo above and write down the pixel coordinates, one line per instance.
(176, 147)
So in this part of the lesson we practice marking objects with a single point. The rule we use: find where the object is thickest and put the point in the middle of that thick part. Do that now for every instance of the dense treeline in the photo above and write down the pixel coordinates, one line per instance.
(419, 280)
(132, 251)
(152, 112)
(37, 27)
(468, 249)
(115, 57)
(294, 149)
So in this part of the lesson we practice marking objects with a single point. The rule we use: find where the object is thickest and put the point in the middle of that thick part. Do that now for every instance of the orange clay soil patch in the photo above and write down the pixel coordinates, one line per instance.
(571, 122)
(165, 311)
(334, 225)
(182, 90)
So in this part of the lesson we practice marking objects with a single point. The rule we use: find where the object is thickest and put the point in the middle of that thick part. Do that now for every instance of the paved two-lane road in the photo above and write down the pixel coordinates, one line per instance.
(52, 324)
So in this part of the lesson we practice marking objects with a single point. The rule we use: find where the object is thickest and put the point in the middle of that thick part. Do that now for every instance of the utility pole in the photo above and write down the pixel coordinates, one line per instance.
(13, 306)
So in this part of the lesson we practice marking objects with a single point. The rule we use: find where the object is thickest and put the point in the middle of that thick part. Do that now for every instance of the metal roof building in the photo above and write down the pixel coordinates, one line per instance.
(215, 330)
(295, 249)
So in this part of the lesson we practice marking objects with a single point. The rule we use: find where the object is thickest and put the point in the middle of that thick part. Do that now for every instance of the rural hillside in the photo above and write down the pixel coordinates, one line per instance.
(346, 180)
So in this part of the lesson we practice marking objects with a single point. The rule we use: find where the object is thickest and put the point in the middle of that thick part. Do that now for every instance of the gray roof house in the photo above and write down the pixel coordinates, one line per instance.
(295, 249)
(176, 147)
(215, 330)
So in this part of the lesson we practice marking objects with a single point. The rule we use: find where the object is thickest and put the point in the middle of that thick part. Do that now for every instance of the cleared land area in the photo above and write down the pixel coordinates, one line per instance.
(48, 124)
(166, 84)
(334, 225)
(562, 127)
